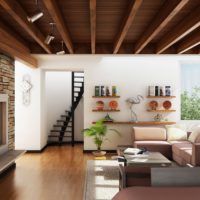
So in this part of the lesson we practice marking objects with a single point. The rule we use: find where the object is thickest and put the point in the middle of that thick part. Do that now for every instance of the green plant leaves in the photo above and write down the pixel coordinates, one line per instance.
(190, 105)
(98, 131)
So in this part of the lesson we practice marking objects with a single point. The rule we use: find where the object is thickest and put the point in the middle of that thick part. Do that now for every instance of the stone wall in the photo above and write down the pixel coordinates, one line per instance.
(7, 86)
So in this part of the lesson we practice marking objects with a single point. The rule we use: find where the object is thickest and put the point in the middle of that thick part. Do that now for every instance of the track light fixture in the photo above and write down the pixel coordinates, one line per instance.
(50, 37)
(62, 52)
(37, 15)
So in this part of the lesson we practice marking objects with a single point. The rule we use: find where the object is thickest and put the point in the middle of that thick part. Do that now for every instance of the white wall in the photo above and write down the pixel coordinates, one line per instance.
(58, 95)
(27, 118)
(131, 74)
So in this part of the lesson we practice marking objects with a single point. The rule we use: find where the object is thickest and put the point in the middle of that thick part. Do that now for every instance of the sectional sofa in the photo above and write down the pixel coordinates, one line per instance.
(158, 193)
(172, 142)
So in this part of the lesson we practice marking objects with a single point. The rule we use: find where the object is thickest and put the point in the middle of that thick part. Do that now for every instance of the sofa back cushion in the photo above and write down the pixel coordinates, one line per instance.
(149, 133)
(195, 135)
(176, 134)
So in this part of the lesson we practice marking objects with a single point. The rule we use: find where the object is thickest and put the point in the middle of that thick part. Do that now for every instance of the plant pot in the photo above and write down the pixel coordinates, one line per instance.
(99, 153)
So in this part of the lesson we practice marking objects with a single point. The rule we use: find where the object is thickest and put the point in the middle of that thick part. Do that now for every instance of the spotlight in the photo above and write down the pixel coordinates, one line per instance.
(35, 17)
(62, 52)
(48, 39)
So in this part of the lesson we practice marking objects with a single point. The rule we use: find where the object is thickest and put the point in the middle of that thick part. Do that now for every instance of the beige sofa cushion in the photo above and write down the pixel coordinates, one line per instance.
(195, 135)
(149, 133)
(176, 134)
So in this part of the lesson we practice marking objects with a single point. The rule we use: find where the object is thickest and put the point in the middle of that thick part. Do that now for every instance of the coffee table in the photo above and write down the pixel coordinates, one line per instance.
(149, 159)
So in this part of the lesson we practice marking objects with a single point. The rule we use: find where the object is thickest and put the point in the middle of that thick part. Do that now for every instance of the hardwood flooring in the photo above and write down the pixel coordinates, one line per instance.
(56, 174)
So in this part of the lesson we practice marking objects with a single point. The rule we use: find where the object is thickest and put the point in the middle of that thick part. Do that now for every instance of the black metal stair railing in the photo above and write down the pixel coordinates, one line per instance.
(65, 125)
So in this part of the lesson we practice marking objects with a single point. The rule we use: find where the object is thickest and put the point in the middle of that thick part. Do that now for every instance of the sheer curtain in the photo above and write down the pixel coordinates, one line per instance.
(190, 76)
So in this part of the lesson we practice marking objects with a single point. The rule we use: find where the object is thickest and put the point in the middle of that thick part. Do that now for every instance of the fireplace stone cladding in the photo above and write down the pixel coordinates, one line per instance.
(7, 86)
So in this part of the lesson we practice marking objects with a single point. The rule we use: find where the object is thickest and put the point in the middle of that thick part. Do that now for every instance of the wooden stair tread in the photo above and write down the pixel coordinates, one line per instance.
(58, 131)
(60, 120)
(56, 136)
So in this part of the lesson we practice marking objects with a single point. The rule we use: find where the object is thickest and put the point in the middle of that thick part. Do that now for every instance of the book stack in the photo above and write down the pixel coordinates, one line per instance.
(131, 151)
(105, 91)
(159, 90)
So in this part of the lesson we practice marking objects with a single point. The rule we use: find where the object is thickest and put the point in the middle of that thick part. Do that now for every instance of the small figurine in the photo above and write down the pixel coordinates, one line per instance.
(158, 118)
(107, 118)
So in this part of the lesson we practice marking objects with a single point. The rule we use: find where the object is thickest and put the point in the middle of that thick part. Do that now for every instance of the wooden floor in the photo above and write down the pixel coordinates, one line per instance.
(56, 174)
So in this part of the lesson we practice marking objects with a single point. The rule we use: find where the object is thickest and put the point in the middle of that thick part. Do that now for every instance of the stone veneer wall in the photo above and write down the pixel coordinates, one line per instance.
(7, 86)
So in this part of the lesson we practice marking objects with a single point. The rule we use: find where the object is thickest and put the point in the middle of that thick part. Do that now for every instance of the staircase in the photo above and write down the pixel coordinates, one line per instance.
(63, 130)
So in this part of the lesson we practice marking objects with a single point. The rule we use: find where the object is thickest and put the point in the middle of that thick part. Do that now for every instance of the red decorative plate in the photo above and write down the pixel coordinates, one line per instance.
(153, 105)
(167, 105)
(100, 105)
(113, 105)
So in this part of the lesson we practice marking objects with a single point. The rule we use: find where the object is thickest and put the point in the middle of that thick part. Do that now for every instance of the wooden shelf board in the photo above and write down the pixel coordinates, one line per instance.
(165, 97)
(94, 110)
(105, 97)
(161, 110)
(140, 123)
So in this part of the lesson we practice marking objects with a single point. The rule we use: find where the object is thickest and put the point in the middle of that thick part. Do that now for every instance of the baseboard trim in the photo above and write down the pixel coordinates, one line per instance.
(64, 143)
(53, 144)
(108, 151)
(37, 151)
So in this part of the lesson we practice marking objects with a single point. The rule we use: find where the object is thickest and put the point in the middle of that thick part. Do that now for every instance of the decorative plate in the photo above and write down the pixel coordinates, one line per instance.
(167, 105)
(100, 105)
(113, 105)
(153, 105)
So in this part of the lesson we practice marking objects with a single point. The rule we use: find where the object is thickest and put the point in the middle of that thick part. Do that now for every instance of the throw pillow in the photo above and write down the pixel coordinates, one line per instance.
(195, 135)
(176, 134)
(180, 126)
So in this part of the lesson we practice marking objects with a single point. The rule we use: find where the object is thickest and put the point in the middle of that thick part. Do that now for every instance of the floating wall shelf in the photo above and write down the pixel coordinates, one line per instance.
(164, 97)
(163, 111)
(105, 97)
(140, 123)
(94, 110)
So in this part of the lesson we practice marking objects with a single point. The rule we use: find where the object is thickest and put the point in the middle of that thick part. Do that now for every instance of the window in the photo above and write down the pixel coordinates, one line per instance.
(190, 92)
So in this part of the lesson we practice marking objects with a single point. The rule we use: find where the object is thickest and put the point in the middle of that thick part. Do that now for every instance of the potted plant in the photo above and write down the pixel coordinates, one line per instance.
(98, 131)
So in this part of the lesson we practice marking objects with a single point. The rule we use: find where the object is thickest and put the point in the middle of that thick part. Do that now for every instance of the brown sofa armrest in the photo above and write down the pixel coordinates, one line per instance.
(196, 154)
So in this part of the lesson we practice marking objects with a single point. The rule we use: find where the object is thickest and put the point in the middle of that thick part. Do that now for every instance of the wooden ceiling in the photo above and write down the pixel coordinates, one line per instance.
(100, 27)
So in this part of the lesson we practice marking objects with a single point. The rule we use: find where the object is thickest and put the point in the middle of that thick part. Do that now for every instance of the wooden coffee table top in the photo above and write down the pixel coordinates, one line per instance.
(147, 159)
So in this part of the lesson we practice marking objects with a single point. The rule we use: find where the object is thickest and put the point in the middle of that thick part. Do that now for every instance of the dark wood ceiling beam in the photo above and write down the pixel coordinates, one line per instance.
(19, 15)
(93, 5)
(12, 49)
(127, 22)
(190, 42)
(14, 39)
(188, 24)
(55, 13)
(162, 18)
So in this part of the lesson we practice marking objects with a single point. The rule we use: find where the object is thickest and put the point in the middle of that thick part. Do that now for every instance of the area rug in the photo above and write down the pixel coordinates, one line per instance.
(102, 180)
